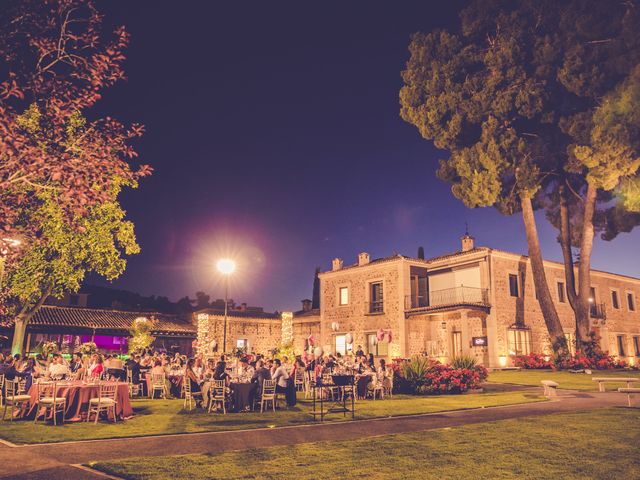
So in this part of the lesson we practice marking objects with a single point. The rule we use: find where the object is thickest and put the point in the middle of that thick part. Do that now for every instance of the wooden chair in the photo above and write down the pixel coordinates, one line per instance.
(49, 401)
(1, 390)
(158, 384)
(268, 394)
(188, 394)
(299, 379)
(13, 398)
(217, 394)
(106, 401)
(330, 389)
(133, 387)
(387, 384)
(375, 388)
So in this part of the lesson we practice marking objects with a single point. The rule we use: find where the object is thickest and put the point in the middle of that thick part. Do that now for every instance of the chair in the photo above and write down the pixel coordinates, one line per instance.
(387, 383)
(49, 401)
(217, 394)
(133, 387)
(1, 390)
(268, 394)
(158, 384)
(332, 390)
(13, 398)
(106, 401)
(188, 394)
(375, 388)
(299, 379)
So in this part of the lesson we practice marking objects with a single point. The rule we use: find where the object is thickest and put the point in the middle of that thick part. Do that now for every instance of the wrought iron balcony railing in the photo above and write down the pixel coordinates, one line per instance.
(597, 310)
(448, 296)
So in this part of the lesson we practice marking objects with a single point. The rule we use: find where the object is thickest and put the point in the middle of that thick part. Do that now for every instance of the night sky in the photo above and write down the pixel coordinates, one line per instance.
(275, 135)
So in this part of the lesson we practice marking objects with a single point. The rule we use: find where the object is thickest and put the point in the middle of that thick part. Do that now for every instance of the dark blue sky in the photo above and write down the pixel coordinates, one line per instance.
(274, 131)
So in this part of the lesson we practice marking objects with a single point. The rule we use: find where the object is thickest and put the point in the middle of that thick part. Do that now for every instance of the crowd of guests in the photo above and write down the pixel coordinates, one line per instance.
(198, 370)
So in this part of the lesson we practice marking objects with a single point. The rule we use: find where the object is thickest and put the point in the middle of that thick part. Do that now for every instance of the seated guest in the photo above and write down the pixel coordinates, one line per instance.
(244, 369)
(58, 370)
(260, 375)
(359, 351)
(28, 373)
(281, 376)
(220, 373)
(157, 368)
(76, 362)
(194, 381)
(97, 368)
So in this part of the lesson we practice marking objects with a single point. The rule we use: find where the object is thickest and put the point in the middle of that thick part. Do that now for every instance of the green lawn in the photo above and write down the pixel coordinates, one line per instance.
(157, 417)
(601, 444)
(571, 381)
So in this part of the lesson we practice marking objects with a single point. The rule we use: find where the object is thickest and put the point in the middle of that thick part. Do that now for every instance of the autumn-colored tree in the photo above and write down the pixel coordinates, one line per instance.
(513, 97)
(55, 60)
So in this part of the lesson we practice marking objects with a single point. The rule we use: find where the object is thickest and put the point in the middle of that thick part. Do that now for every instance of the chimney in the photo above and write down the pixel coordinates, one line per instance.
(336, 264)
(467, 242)
(306, 305)
(363, 258)
(421, 253)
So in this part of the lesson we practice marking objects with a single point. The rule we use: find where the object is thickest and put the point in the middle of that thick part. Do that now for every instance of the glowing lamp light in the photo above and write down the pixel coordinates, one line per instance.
(502, 360)
(226, 266)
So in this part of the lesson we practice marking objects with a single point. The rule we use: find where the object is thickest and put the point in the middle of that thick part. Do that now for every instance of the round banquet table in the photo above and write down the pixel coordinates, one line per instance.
(78, 395)
(242, 395)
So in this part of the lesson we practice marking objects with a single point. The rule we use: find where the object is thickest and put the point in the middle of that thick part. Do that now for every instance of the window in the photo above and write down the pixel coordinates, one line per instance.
(636, 345)
(242, 343)
(376, 304)
(344, 295)
(631, 305)
(621, 345)
(519, 341)
(614, 299)
(379, 349)
(513, 285)
(341, 344)
(561, 295)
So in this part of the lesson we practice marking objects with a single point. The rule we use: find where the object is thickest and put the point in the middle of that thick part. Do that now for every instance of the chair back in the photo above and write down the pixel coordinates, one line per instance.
(129, 376)
(12, 388)
(108, 390)
(157, 380)
(1, 384)
(186, 386)
(327, 379)
(299, 378)
(46, 390)
(268, 388)
(217, 388)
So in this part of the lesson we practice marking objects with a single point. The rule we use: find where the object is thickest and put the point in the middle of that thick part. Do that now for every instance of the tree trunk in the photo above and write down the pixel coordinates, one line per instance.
(22, 320)
(569, 271)
(551, 319)
(582, 307)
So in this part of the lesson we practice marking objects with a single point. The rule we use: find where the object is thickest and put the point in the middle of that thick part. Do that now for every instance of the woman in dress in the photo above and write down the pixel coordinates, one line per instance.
(194, 382)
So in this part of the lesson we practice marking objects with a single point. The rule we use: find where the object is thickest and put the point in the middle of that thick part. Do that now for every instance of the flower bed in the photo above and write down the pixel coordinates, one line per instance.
(421, 375)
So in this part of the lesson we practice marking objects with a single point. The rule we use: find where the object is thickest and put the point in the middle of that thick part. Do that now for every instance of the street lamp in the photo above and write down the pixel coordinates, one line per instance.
(226, 267)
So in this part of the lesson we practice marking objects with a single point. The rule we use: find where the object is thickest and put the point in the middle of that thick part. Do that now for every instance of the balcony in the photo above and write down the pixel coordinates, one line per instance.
(449, 297)
(597, 311)
(374, 308)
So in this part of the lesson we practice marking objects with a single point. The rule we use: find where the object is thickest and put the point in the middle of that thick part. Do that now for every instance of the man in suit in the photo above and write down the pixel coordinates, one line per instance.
(76, 362)
(260, 374)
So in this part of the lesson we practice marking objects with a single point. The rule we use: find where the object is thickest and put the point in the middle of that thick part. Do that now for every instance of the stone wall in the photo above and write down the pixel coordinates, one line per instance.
(355, 317)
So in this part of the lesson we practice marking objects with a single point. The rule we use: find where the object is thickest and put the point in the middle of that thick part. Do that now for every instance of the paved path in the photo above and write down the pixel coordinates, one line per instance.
(53, 461)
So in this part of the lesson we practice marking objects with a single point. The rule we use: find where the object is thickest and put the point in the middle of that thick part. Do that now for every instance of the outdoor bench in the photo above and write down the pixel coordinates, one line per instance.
(602, 380)
(550, 388)
(629, 391)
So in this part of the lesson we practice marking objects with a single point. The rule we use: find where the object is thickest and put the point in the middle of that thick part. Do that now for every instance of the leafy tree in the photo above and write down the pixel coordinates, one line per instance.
(141, 337)
(512, 96)
(65, 254)
(55, 60)
(202, 300)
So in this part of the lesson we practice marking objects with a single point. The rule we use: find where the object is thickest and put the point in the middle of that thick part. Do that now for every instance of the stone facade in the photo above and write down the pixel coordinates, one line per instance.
(478, 301)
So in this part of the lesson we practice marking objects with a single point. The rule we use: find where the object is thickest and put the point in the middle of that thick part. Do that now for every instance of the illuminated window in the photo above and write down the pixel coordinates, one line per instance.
(614, 299)
(519, 341)
(242, 343)
(513, 285)
(344, 296)
(341, 344)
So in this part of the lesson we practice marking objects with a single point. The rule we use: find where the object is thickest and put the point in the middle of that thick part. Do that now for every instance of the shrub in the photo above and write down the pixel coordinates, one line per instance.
(464, 361)
(422, 375)
(532, 360)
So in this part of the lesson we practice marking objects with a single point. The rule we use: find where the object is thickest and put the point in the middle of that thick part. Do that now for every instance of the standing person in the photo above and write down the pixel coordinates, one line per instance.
(281, 376)
(359, 351)
(372, 362)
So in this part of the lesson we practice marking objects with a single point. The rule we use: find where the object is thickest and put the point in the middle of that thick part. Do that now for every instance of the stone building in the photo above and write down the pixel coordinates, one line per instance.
(477, 301)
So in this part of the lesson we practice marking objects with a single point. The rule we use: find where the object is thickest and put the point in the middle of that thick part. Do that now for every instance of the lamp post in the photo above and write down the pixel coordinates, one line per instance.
(226, 267)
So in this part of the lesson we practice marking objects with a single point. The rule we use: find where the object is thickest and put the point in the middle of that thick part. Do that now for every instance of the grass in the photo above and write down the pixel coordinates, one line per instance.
(601, 444)
(566, 380)
(158, 417)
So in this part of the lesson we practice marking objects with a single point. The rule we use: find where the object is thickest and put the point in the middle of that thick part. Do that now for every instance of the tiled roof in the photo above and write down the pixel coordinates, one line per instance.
(90, 318)
(314, 312)
(239, 313)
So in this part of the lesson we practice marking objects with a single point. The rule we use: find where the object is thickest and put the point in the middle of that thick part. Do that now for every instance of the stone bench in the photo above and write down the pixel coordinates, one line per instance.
(550, 388)
(629, 392)
(602, 380)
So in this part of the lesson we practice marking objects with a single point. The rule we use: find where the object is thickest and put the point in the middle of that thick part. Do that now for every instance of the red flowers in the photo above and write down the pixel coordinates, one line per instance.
(533, 360)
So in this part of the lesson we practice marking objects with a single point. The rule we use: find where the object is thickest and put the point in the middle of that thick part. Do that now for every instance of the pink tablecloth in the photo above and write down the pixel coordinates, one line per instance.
(78, 395)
